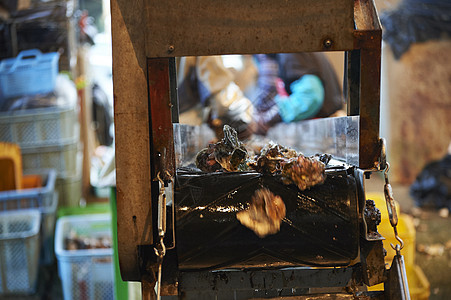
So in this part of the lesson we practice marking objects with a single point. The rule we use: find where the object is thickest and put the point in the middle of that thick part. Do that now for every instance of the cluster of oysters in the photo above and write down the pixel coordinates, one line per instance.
(230, 155)
(265, 211)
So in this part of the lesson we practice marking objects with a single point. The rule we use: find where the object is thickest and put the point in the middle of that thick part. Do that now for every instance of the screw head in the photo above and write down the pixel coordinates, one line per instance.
(171, 48)
(327, 43)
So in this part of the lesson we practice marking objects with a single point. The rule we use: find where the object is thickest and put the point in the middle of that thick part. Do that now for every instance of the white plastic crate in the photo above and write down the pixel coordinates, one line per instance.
(34, 127)
(46, 200)
(61, 157)
(19, 251)
(85, 273)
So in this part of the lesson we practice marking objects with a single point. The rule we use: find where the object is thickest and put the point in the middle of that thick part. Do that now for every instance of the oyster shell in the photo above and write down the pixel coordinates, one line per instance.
(303, 171)
(229, 154)
(264, 214)
(268, 161)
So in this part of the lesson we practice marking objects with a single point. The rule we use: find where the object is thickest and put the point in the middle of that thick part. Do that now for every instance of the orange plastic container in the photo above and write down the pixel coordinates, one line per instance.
(31, 181)
(10, 167)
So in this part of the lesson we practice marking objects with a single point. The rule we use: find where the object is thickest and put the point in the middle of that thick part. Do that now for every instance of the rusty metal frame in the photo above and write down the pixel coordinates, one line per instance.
(142, 89)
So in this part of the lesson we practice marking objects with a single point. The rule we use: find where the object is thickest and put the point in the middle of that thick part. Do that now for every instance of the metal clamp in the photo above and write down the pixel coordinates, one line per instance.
(160, 248)
(391, 208)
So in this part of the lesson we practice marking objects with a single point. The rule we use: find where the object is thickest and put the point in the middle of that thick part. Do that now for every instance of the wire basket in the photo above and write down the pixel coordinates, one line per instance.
(45, 199)
(34, 127)
(19, 251)
(30, 73)
(62, 157)
(85, 273)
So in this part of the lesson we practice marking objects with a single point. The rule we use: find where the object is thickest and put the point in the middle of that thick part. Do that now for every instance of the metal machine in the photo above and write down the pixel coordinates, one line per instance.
(153, 247)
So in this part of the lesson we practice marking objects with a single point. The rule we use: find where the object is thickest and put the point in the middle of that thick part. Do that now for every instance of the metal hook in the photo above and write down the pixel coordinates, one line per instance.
(159, 178)
(387, 168)
(399, 246)
(161, 251)
(169, 176)
(383, 158)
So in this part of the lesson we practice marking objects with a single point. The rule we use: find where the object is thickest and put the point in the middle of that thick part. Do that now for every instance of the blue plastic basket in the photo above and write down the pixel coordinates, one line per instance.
(46, 200)
(30, 73)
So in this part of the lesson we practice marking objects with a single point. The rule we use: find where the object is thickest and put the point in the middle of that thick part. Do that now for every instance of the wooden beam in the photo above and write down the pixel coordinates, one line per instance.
(131, 118)
(204, 27)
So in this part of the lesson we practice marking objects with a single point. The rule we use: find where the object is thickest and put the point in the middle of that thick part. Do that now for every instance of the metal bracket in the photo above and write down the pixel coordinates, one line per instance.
(397, 287)
(360, 179)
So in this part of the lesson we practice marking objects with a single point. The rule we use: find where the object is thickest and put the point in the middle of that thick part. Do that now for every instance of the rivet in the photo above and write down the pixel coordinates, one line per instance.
(327, 43)
(171, 48)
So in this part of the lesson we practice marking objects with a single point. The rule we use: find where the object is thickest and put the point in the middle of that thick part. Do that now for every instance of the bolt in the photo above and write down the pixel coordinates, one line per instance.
(327, 43)
(171, 48)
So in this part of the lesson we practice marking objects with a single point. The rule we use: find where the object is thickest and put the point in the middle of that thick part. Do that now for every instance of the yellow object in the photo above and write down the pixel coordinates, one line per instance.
(419, 286)
(406, 231)
(10, 167)
(31, 181)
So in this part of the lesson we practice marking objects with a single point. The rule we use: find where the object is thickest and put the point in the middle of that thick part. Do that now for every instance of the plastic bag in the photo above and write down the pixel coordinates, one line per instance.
(432, 187)
(416, 21)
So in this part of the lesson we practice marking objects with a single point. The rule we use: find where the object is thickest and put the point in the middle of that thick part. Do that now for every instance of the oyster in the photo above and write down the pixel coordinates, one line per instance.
(205, 160)
(264, 214)
(295, 168)
(268, 162)
(228, 154)
(303, 171)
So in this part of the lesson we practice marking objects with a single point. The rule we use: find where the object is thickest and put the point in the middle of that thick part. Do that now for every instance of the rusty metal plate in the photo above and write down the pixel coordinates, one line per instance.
(205, 27)
(161, 122)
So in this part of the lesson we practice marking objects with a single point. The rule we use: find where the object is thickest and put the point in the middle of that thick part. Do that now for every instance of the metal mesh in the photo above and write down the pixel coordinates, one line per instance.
(17, 266)
(37, 127)
(26, 132)
(85, 274)
(51, 130)
(5, 133)
(18, 256)
(62, 158)
(18, 226)
(92, 279)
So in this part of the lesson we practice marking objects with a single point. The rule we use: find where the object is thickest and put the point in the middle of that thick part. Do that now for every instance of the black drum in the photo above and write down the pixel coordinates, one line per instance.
(321, 226)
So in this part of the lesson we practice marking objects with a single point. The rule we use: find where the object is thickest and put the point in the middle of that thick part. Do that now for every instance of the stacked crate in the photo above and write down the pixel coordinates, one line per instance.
(48, 138)
(45, 200)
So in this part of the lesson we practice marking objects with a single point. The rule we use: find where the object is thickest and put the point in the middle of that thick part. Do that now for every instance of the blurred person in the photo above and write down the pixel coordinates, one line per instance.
(293, 87)
(208, 94)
